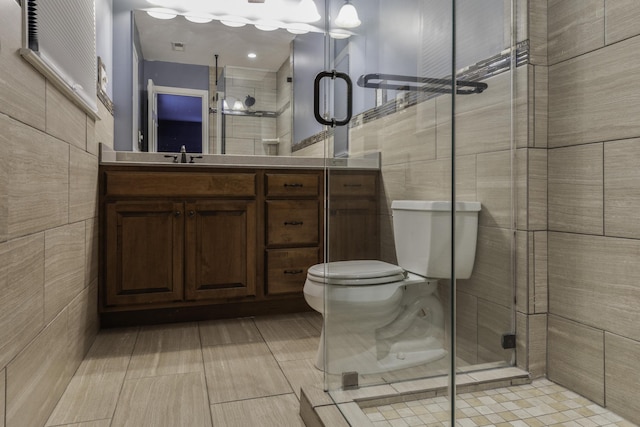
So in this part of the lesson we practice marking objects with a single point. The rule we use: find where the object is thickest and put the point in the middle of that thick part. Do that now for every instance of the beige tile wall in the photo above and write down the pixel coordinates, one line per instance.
(48, 233)
(245, 133)
(284, 122)
(416, 164)
(574, 27)
(576, 357)
(594, 237)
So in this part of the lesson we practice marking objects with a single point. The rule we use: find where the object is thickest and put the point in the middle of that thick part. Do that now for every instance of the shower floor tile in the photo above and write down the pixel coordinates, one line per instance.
(539, 404)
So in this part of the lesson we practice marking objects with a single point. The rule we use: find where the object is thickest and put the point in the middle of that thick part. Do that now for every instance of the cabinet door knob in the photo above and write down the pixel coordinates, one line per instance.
(293, 271)
(178, 213)
(192, 213)
(293, 223)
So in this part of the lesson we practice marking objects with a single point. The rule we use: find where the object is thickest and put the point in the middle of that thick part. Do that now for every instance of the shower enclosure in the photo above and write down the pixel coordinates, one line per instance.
(432, 87)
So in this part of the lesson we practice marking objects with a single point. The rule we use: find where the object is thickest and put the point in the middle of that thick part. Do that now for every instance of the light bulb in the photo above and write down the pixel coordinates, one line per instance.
(238, 105)
(347, 17)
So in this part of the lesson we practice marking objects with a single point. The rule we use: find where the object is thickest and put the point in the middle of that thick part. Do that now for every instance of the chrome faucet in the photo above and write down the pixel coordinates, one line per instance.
(183, 156)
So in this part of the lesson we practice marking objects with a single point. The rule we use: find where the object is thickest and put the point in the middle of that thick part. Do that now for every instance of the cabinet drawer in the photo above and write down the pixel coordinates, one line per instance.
(180, 184)
(291, 222)
(352, 185)
(292, 184)
(287, 269)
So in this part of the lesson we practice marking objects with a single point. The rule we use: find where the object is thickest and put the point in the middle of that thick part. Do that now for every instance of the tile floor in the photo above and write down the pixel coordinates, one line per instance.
(539, 404)
(241, 372)
(248, 372)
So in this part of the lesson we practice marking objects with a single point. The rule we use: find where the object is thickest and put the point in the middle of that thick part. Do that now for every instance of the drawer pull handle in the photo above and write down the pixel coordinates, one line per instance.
(353, 185)
(293, 271)
(295, 184)
(293, 223)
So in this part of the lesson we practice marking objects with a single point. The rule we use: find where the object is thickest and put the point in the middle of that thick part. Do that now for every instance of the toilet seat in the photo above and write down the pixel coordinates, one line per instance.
(356, 273)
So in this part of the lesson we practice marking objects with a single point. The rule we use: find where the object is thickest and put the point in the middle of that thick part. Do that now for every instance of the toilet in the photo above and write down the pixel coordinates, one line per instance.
(380, 317)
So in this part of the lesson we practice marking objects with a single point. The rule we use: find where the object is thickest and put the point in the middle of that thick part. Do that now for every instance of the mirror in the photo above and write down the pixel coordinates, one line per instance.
(244, 108)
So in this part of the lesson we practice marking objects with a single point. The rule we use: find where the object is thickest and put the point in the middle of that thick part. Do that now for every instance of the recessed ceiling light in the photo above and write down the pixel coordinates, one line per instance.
(252, 55)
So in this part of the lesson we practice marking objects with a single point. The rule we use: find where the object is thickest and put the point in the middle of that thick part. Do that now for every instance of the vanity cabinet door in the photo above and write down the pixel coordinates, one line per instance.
(144, 252)
(220, 255)
(353, 230)
(353, 222)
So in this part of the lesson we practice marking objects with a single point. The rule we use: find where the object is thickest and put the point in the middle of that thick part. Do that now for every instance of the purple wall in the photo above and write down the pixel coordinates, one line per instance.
(176, 75)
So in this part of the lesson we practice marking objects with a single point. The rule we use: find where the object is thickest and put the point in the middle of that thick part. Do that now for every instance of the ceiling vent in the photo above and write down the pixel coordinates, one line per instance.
(256, 1)
(177, 46)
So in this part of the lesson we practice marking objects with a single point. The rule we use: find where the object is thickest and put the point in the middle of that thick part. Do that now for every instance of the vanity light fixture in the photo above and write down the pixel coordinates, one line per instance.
(339, 34)
(307, 11)
(198, 19)
(161, 13)
(267, 26)
(252, 55)
(348, 16)
(298, 28)
(232, 21)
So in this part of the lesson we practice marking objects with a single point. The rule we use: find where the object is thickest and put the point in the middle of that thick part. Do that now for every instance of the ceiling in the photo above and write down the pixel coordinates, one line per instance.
(202, 41)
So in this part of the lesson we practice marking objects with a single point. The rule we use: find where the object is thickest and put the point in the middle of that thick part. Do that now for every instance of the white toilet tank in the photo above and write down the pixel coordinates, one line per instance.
(422, 234)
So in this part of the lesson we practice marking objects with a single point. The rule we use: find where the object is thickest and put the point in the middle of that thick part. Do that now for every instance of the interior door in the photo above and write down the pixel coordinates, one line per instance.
(152, 116)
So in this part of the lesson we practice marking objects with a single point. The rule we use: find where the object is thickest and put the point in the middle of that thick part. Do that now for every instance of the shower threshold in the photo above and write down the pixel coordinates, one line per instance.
(345, 408)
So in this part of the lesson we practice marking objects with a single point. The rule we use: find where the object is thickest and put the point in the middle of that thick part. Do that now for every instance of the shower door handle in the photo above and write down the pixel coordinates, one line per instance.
(316, 98)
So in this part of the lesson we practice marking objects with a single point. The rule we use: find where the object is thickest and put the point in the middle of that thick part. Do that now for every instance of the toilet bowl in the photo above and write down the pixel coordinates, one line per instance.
(380, 317)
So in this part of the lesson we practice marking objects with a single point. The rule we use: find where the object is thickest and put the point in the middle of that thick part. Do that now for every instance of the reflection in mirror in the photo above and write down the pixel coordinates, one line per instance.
(245, 75)
(177, 117)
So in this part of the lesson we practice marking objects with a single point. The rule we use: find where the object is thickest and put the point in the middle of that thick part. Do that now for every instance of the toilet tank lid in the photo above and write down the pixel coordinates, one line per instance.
(429, 205)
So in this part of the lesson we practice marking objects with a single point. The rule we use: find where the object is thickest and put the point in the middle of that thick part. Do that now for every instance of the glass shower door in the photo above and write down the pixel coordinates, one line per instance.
(380, 329)
(384, 323)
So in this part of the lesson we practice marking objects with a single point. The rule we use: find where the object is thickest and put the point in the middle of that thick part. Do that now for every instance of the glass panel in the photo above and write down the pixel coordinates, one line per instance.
(251, 122)
(407, 319)
(386, 316)
(484, 143)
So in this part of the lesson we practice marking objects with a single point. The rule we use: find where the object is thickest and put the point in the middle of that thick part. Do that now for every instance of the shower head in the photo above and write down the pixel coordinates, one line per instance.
(249, 101)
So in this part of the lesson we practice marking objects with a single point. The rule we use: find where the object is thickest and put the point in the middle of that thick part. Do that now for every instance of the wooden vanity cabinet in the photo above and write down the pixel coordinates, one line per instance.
(175, 237)
(353, 220)
(181, 243)
(145, 251)
(220, 251)
(293, 231)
